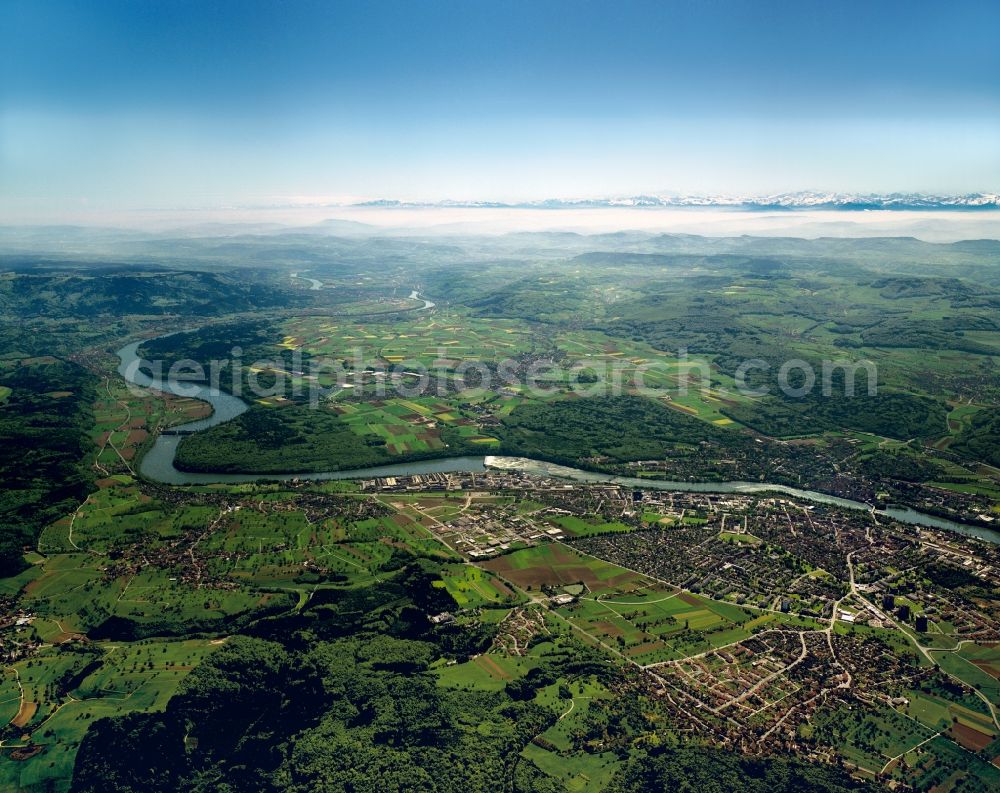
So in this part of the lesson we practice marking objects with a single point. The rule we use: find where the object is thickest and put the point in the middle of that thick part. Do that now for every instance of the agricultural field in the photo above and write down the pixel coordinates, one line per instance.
(641, 619)
(963, 719)
(656, 624)
(486, 672)
(83, 581)
(556, 565)
(959, 421)
(977, 665)
(125, 421)
(414, 425)
(445, 344)
(66, 688)
(435, 341)
(350, 361)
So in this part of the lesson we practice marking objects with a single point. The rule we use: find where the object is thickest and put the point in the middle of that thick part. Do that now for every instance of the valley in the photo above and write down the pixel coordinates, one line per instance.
(538, 508)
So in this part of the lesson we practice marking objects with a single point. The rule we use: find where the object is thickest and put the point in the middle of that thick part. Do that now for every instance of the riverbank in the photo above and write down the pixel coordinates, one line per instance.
(158, 463)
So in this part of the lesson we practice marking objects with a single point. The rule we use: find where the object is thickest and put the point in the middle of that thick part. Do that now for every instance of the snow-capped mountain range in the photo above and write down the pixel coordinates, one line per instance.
(797, 200)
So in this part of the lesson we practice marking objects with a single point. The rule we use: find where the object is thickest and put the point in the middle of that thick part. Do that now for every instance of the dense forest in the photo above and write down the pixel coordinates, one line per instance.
(981, 439)
(217, 348)
(292, 439)
(621, 428)
(704, 770)
(115, 291)
(211, 342)
(890, 414)
(44, 422)
(264, 440)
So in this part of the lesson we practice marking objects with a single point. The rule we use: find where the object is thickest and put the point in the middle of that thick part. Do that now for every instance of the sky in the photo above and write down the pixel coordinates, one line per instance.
(117, 107)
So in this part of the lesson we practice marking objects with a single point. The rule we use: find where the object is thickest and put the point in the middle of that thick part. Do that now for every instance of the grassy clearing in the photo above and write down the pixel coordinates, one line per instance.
(488, 672)
(586, 527)
(472, 587)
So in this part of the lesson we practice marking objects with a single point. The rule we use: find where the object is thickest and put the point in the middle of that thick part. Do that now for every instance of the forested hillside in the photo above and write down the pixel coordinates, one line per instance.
(44, 419)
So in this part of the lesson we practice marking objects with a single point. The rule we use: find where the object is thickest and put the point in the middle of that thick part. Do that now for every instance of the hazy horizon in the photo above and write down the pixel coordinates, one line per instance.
(113, 108)
(930, 226)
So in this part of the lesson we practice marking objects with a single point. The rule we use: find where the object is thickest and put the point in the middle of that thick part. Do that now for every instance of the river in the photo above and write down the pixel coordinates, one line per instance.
(158, 463)
(415, 295)
(313, 282)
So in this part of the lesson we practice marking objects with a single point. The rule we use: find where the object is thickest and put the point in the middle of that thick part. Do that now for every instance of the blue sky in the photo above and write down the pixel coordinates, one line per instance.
(146, 103)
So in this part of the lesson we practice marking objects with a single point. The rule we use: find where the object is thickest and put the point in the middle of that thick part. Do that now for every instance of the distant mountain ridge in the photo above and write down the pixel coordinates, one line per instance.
(796, 200)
